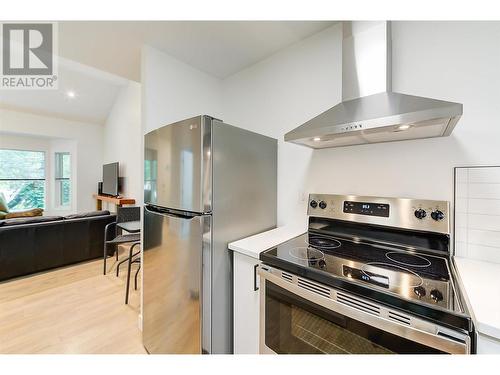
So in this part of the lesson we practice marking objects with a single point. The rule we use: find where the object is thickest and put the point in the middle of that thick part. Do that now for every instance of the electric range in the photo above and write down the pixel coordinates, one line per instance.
(385, 257)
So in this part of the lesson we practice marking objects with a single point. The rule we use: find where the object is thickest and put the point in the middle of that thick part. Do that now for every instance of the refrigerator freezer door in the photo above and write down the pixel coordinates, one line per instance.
(174, 246)
(178, 166)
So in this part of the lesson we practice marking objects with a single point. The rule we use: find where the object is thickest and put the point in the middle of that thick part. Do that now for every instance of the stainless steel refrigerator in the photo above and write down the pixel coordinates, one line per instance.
(206, 183)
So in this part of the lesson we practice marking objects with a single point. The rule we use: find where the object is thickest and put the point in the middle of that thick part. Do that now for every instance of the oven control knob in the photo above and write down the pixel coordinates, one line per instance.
(437, 215)
(419, 291)
(322, 205)
(420, 213)
(436, 295)
(313, 204)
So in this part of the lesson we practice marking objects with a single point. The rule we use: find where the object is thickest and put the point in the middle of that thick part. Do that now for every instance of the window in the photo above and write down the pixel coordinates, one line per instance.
(62, 179)
(22, 178)
(150, 175)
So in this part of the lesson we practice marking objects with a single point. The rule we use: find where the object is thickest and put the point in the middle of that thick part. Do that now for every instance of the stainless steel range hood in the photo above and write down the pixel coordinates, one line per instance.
(370, 112)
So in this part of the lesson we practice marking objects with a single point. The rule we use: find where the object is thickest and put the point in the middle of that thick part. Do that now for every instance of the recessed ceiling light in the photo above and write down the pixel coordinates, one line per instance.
(404, 127)
(71, 94)
(316, 139)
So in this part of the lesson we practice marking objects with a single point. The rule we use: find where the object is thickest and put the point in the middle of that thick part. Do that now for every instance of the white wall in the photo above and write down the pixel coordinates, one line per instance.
(87, 139)
(123, 139)
(173, 90)
(280, 93)
(455, 61)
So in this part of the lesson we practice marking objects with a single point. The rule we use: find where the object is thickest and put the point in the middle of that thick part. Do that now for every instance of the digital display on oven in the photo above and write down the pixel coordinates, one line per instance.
(369, 277)
(366, 208)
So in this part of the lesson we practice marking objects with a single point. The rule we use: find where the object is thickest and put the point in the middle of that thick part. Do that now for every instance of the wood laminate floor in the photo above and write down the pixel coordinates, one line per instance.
(75, 310)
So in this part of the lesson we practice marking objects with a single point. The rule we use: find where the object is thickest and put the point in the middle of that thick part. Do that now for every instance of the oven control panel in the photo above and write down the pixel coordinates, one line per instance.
(415, 214)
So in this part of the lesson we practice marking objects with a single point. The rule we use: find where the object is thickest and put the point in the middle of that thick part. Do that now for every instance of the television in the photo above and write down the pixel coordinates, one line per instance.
(110, 179)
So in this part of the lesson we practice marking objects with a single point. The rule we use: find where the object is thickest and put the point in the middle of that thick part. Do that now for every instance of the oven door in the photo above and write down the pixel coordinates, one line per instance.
(300, 316)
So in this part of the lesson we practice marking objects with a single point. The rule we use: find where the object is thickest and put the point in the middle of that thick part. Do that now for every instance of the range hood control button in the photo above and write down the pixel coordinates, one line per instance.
(420, 213)
(313, 204)
(322, 205)
(437, 215)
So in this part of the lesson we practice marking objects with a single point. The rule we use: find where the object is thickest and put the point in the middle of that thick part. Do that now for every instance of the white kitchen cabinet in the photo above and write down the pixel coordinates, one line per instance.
(487, 345)
(246, 304)
(246, 310)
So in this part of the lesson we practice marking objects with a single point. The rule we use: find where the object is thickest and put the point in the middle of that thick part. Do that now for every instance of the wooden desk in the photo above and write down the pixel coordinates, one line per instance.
(105, 198)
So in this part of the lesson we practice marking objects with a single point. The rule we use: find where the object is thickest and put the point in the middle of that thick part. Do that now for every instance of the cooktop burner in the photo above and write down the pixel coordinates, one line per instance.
(322, 242)
(408, 259)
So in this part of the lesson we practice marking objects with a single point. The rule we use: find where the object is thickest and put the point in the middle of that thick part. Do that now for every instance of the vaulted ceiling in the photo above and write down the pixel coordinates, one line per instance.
(220, 48)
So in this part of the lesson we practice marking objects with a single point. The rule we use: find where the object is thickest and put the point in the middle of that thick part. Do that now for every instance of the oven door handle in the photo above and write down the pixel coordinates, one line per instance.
(420, 331)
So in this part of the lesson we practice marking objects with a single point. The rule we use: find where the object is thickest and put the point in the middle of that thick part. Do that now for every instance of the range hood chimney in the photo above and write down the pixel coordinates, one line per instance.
(370, 112)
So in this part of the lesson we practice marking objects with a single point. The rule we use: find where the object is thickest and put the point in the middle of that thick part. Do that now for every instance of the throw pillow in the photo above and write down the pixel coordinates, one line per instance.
(3, 203)
(27, 213)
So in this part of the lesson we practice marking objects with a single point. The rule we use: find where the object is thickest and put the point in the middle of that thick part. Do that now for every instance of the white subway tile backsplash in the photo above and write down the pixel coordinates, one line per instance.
(477, 213)
(484, 175)
(461, 190)
(484, 206)
(485, 253)
(461, 175)
(461, 205)
(461, 249)
(461, 220)
(461, 235)
(484, 238)
(484, 191)
(484, 222)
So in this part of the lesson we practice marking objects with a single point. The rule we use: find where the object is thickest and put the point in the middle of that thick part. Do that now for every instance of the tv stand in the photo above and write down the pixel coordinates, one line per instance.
(118, 201)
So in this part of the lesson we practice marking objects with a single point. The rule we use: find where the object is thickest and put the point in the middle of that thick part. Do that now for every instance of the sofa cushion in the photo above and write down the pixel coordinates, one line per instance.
(87, 214)
(26, 213)
(29, 220)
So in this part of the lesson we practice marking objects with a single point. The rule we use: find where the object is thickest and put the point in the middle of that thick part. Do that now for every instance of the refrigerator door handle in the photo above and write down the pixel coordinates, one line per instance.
(172, 212)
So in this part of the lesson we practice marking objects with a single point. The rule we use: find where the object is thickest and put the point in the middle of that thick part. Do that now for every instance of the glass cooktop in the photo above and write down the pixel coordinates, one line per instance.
(420, 278)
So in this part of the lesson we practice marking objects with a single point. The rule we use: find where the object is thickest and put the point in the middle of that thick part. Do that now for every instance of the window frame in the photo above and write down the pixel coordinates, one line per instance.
(58, 167)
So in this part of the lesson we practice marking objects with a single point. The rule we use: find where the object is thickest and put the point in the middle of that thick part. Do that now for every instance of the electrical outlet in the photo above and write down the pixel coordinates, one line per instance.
(302, 196)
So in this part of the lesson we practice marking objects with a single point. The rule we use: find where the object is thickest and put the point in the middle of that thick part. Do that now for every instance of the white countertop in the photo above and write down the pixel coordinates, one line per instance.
(481, 281)
(254, 245)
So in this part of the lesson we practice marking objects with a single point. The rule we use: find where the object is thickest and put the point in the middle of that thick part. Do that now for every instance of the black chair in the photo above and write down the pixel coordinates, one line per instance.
(131, 260)
(113, 235)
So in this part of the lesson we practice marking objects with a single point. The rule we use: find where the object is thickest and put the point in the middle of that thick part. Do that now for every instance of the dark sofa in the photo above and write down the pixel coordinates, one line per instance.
(30, 245)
